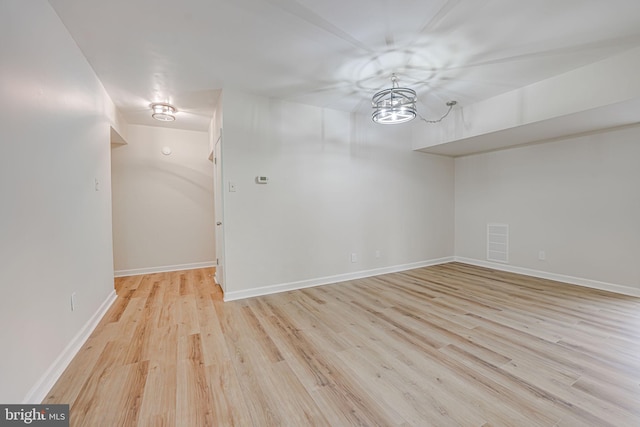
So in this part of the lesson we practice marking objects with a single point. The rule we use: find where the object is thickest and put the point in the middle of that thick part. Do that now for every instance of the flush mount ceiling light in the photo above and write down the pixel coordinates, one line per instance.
(398, 105)
(394, 105)
(163, 112)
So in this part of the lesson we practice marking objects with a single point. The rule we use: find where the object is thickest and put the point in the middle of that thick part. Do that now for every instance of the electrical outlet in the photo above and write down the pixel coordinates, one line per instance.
(73, 301)
(354, 257)
(377, 254)
(542, 255)
(232, 187)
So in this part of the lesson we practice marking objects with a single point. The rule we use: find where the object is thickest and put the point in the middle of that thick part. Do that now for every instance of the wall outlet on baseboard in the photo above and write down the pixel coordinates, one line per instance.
(354, 257)
(542, 255)
(73, 301)
(377, 254)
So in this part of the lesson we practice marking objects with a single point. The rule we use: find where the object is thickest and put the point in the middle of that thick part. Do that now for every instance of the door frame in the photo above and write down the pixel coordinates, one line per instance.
(218, 189)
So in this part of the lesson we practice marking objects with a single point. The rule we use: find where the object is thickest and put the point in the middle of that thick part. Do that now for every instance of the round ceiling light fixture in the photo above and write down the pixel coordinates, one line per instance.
(163, 112)
(394, 105)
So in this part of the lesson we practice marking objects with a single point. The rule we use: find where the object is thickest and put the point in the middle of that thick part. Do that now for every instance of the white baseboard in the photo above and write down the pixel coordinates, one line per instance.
(594, 284)
(163, 269)
(40, 390)
(273, 289)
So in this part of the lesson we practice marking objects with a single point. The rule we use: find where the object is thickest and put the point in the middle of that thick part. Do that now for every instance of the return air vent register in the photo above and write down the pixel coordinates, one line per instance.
(498, 243)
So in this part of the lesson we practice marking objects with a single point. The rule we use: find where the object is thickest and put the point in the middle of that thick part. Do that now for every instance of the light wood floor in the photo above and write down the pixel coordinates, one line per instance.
(450, 345)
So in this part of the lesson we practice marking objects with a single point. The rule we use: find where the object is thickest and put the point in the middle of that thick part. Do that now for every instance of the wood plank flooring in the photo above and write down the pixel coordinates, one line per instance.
(449, 345)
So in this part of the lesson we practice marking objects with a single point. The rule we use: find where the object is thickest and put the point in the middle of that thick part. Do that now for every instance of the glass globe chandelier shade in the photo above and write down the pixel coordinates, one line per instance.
(394, 105)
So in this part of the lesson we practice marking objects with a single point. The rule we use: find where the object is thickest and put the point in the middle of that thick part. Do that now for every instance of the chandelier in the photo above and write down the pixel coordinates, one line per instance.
(398, 105)
(394, 105)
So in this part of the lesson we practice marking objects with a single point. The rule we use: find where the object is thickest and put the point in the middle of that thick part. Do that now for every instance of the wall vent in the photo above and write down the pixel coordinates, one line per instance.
(498, 243)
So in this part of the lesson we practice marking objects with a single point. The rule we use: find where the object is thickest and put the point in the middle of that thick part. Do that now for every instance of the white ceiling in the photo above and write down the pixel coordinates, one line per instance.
(336, 54)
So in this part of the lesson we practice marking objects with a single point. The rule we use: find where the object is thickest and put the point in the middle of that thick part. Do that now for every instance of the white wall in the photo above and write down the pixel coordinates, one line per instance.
(55, 229)
(577, 199)
(338, 184)
(163, 214)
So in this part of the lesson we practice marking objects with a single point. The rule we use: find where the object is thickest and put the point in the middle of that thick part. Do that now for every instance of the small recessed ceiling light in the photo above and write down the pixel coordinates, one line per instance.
(166, 151)
(163, 112)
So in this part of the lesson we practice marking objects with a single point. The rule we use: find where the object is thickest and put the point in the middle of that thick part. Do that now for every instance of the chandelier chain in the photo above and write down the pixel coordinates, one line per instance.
(450, 104)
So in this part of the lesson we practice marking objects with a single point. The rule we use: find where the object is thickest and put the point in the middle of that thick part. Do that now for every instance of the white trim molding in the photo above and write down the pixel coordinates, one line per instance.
(588, 283)
(163, 269)
(40, 390)
(328, 280)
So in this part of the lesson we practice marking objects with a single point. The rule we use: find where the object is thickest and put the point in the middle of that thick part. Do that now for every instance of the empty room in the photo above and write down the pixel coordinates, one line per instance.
(298, 213)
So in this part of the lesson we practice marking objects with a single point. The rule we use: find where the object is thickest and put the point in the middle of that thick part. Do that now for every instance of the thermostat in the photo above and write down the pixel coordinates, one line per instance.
(262, 179)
